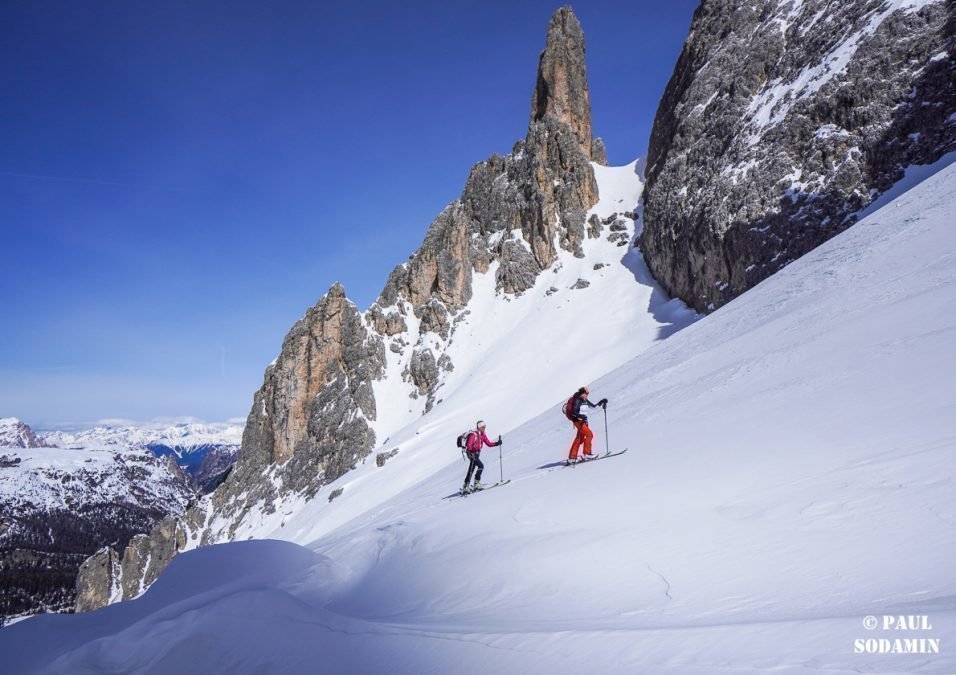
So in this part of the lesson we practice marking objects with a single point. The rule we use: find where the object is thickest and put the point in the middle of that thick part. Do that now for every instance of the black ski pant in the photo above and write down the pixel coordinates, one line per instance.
(472, 464)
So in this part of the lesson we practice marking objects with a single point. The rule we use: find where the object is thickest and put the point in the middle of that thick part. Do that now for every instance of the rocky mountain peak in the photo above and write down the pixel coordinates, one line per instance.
(336, 291)
(16, 434)
(562, 84)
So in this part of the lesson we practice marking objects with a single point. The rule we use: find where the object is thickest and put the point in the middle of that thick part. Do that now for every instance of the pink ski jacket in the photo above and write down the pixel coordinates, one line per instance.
(476, 440)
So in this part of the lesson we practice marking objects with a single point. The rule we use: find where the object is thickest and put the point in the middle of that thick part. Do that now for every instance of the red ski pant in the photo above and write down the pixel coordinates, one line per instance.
(584, 435)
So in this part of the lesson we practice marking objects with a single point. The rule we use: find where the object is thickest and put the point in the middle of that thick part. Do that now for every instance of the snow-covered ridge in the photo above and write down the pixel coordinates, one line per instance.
(185, 437)
(206, 451)
(53, 478)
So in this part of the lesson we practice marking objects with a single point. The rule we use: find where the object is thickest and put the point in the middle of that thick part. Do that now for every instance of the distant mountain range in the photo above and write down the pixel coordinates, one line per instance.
(205, 452)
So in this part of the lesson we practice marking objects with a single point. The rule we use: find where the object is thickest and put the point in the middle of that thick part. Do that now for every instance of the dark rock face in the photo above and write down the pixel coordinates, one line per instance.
(385, 324)
(518, 269)
(782, 120)
(215, 466)
(434, 318)
(147, 555)
(311, 420)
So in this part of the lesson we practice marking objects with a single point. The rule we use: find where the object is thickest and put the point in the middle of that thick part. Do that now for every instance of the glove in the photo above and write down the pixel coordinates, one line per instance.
(603, 403)
(499, 441)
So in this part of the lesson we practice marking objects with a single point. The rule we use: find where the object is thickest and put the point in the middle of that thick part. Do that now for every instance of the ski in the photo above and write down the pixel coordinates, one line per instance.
(594, 459)
(472, 492)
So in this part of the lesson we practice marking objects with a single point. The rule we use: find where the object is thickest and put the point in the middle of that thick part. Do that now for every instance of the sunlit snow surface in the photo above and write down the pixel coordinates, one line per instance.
(790, 472)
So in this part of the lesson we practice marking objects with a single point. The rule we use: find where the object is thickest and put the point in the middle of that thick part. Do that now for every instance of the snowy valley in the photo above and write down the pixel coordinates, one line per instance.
(64, 495)
(58, 506)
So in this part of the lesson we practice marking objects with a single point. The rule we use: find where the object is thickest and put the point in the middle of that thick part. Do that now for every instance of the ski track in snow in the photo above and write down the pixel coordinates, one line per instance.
(790, 473)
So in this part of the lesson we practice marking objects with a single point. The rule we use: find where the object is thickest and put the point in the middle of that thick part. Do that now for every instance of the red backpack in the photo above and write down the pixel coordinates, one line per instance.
(568, 408)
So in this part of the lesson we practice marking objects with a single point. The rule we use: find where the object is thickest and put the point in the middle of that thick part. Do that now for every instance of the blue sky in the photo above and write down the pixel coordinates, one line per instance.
(179, 181)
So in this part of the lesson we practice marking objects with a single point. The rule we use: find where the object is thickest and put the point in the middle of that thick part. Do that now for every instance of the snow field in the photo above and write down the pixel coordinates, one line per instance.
(790, 472)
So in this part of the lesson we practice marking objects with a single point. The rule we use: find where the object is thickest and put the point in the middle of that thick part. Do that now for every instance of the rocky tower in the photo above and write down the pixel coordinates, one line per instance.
(562, 85)
(781, 120)
(316, 414)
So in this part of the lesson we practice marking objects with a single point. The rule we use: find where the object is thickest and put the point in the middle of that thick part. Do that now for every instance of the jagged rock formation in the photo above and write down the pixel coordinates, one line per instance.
(561, 90)
(781, 120)
(315, 416)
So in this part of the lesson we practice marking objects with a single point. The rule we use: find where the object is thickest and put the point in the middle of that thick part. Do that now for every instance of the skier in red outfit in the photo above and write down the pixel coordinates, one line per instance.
(572, 410)
(476, 441)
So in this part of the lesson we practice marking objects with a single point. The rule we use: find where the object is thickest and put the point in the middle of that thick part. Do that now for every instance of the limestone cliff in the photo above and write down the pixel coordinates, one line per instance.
(781, 120)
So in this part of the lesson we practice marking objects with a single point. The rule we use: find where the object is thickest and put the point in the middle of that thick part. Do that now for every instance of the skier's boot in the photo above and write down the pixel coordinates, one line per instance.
(477, 486)
(464, 489)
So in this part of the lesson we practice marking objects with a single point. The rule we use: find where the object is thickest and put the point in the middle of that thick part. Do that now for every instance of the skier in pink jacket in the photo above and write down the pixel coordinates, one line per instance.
(476, 441)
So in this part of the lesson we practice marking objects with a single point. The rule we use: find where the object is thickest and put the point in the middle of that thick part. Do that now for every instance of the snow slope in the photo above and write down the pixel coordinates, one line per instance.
(790, 472)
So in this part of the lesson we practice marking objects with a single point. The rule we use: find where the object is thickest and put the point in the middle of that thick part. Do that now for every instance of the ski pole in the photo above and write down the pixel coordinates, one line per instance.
(607, 445)
(501, 471)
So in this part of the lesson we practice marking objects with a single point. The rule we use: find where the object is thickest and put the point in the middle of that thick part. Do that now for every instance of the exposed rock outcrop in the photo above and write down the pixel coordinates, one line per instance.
(383, 457)
(309, 422)
(95, 580)
(781, 120)
(423, 373)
